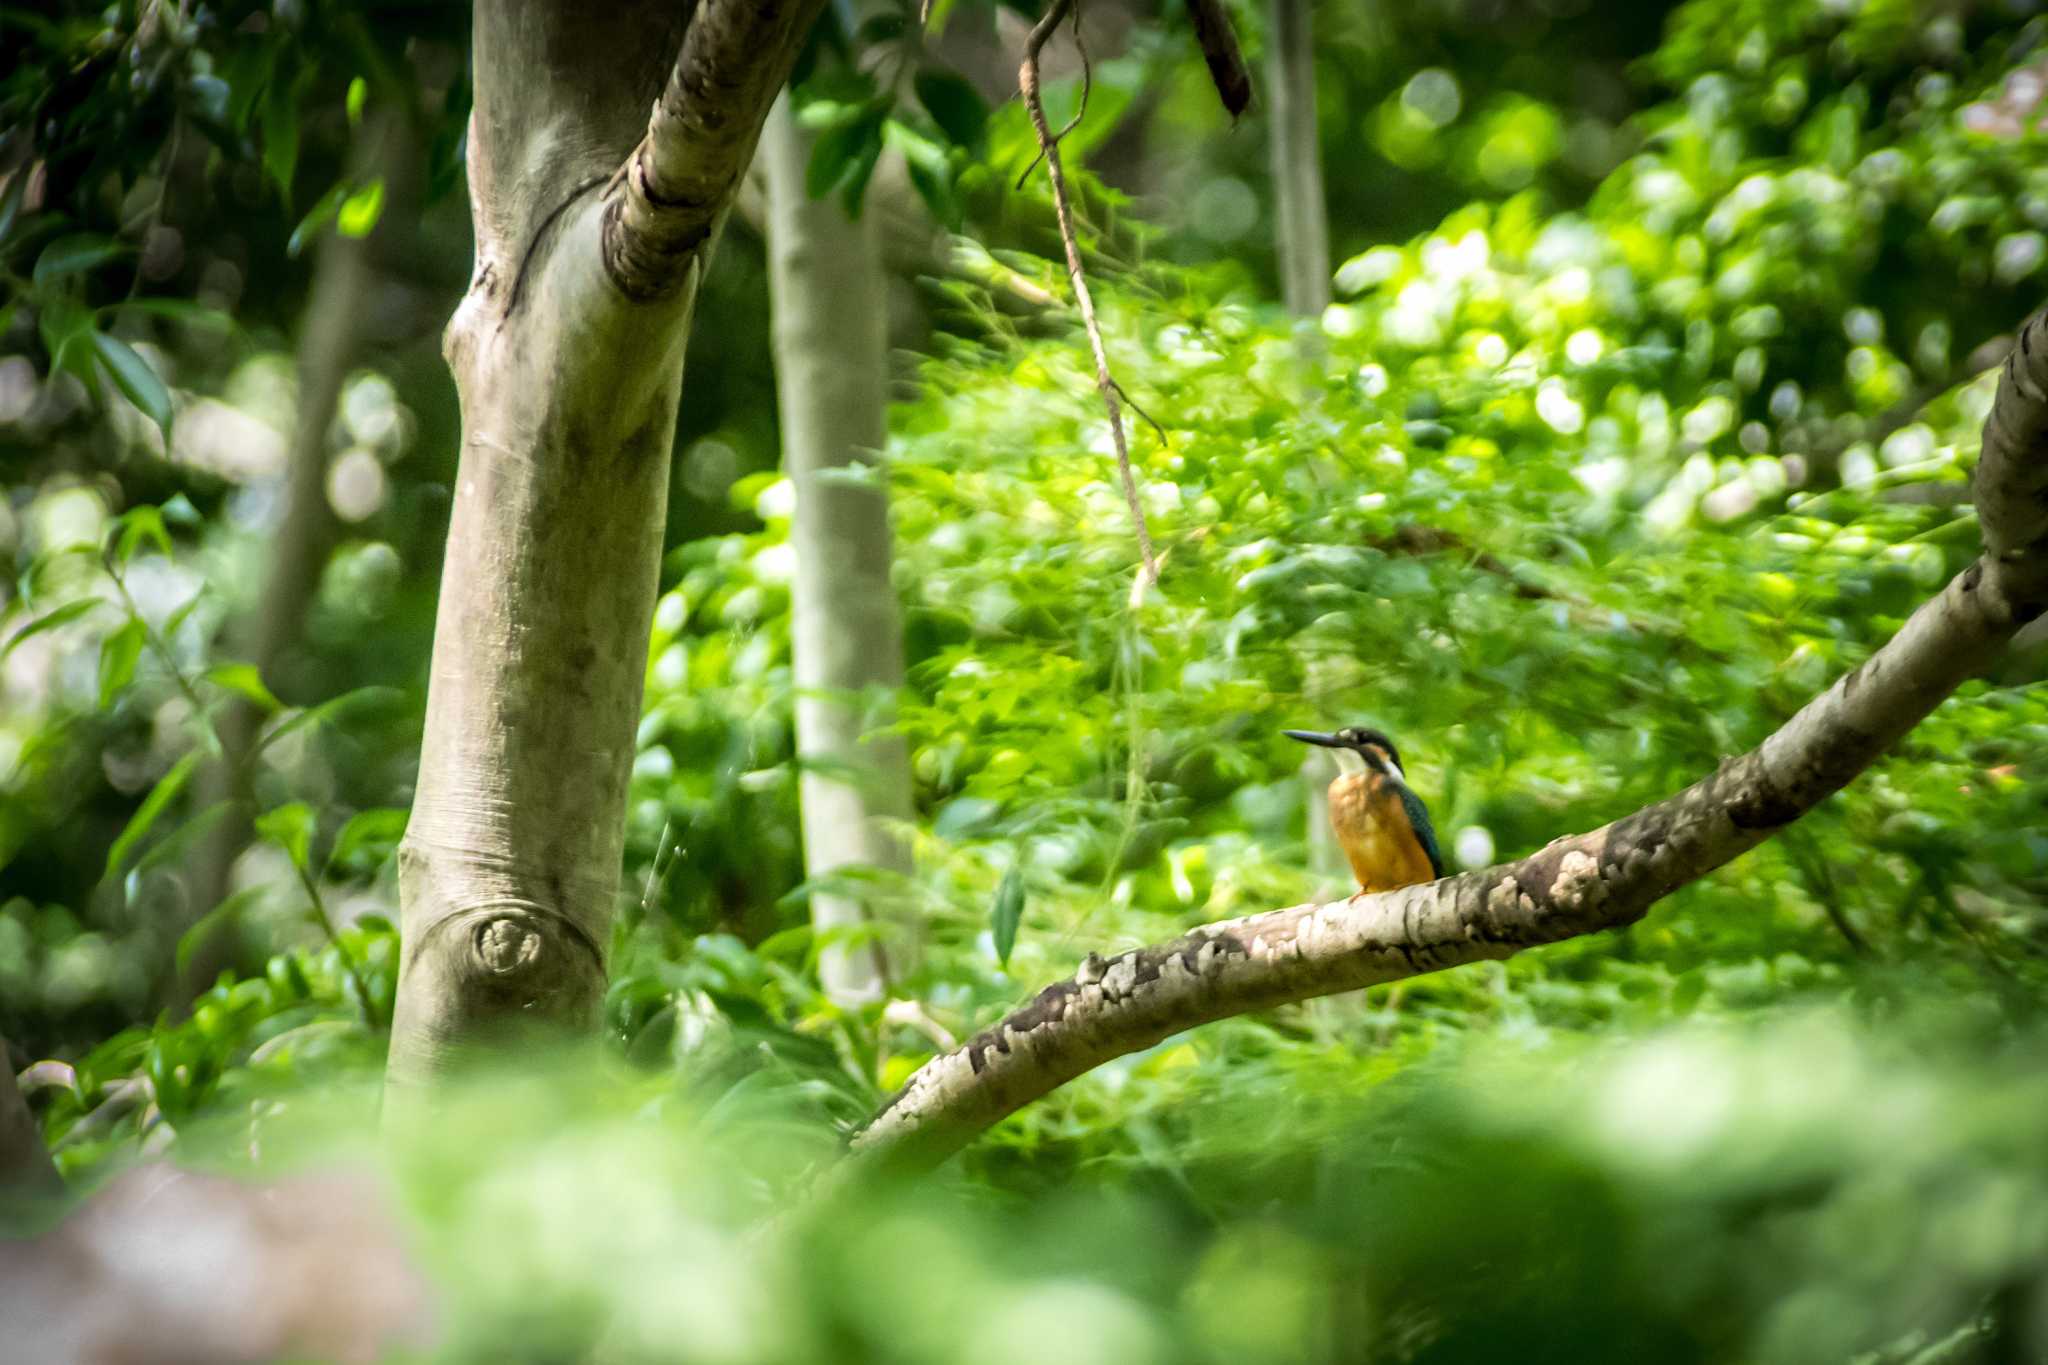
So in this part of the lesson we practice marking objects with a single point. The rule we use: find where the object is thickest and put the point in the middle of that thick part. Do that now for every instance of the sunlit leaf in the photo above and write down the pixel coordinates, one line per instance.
(138, 526)
(359, 213)
(244, 681)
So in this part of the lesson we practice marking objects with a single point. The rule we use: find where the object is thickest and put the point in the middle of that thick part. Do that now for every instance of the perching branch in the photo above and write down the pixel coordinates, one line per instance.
(1049, 148)
(667, 197)
(1578, 885)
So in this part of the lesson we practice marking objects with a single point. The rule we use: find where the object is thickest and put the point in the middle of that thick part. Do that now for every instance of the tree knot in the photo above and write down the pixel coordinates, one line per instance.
(505, 945)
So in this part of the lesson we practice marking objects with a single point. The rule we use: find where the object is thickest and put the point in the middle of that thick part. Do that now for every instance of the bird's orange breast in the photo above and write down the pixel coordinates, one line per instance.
(1374, 832)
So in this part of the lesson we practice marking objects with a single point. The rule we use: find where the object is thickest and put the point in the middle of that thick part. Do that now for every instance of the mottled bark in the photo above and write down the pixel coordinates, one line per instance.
(683, 175)
(1578, 885)
(831, 380)
(567, 353)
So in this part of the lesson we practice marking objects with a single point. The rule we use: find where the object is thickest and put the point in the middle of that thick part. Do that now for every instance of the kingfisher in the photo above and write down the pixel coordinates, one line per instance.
(1381, 823)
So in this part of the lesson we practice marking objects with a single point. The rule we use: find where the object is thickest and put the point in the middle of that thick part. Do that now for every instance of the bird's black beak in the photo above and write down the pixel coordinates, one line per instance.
(1313, 737)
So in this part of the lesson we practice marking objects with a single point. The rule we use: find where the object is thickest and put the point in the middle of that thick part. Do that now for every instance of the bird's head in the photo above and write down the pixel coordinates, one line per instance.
(1357, 749)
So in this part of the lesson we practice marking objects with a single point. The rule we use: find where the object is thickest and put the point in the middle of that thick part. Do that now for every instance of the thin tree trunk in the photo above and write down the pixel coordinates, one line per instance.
(292, 561)
(831, 378)
(593, 221)
(331, 334)
(1297, 155)
(1302, 244)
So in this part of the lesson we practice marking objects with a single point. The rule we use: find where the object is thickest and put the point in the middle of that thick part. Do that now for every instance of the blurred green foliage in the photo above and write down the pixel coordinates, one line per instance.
(1582, 485)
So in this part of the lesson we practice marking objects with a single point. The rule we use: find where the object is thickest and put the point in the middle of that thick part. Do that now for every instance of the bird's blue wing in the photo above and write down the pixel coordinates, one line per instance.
(1425, 833)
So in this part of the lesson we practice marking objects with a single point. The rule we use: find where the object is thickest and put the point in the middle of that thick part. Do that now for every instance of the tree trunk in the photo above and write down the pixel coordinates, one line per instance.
(293, 559)
(1302, 245)
(831, 377)
(1297, 154)
(593, 220)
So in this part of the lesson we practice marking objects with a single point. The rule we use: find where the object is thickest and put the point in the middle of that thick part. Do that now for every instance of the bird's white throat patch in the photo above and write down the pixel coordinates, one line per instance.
(1349, 762)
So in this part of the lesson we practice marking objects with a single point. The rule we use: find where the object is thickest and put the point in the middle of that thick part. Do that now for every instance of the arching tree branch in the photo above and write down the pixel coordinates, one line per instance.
(667, 197)
(1578, 885)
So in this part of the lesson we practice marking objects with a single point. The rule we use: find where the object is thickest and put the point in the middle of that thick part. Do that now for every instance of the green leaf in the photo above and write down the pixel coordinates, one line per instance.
(371, 835)
(359, 213)
(1007, 913)
(135, 379)
(177, 618)
(133, 527)
(153, 806)
(204, 927)
(247, 70)
(290, 827)
(845, 148)
(119, 653)
(244, 681)
(280, 126)
(937, 192)
(174, 310)
(174, 845)
(879, 29)
(74, 254)
(930, 168)
(331, 710)
(67, 335)
(46, 563)
(358, 96)
(50, 620)
(955, 105)
(854, 191)
(316, 218)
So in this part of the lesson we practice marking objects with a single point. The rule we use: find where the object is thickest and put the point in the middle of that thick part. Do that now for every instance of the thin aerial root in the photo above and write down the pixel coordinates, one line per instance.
(1049, 150)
